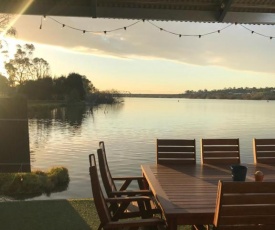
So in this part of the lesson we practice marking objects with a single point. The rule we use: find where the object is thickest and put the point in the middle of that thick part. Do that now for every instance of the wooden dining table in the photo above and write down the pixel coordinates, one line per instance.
(187, 193)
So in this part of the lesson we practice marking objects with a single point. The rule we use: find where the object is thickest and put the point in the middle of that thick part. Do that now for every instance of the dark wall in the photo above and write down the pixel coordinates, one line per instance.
(14, 135)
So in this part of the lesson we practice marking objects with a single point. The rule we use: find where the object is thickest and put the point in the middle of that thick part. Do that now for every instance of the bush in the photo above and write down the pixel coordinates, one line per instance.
(25, 185)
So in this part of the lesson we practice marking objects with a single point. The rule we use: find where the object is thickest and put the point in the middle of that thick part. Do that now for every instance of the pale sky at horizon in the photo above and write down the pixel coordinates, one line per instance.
(143, 59)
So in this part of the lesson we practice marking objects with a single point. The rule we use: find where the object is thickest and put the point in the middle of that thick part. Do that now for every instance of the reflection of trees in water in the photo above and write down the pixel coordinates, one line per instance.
(71, 115)
(44, 121)
(112, 108)
(39, 131)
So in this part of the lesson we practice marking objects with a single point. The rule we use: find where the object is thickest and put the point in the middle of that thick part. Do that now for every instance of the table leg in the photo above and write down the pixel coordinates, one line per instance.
(145, 184)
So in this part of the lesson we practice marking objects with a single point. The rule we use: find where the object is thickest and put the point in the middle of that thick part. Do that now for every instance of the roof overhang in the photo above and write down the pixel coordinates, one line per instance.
(230, 11)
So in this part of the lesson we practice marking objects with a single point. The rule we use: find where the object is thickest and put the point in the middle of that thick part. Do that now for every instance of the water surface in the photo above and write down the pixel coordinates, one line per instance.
(67, 136)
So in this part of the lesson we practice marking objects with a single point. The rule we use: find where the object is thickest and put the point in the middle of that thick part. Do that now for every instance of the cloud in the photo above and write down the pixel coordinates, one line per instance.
(233, 48)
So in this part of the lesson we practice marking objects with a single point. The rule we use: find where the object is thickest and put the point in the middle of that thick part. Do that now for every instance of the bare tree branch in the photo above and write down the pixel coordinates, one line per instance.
(5, 25)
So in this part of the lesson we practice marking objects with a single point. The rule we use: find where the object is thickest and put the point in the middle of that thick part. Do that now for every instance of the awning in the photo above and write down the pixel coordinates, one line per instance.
(231, 11)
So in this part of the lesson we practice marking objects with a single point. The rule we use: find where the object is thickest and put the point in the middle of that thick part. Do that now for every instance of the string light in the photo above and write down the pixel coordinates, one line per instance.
(254, 32)
(40, 27)
(188, 35)
(160, 29)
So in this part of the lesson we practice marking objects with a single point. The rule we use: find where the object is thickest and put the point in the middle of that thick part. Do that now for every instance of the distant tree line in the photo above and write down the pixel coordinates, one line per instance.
(30, 76)
(267, 93)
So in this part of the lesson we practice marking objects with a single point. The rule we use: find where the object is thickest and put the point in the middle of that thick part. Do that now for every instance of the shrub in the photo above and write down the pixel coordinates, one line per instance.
(24, 185)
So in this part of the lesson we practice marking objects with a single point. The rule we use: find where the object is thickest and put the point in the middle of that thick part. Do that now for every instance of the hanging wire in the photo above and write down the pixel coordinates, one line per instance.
(84, 31)
(93, 31)
(254, 32)
(189, 35)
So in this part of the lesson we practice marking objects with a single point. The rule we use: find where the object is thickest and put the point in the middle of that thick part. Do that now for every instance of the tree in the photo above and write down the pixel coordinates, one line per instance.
(88, 85)
(59, 88)
(40, 89)
(4, 85)
(41, 68)
(75, 88)
(19, 68)
(23, 67)
(5, 28)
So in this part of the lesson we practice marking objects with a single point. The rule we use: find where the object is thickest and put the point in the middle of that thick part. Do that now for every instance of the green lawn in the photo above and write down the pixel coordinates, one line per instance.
(49, 215)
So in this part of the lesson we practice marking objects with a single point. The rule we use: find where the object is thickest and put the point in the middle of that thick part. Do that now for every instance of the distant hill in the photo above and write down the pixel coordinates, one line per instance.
(153, 95)
(267, 93)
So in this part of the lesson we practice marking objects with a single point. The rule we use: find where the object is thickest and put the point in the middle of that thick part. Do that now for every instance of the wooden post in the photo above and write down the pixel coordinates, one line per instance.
(14, 135)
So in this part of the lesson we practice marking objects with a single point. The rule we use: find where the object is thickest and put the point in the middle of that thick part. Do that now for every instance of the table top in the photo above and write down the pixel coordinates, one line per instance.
(187, 193)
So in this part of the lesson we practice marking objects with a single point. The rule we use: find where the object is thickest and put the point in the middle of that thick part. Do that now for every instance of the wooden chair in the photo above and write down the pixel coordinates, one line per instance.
(112, 191)
(264, 151)
(220, 151)
(109, 181)
(245, 206)
(176, 151)
(110, 222)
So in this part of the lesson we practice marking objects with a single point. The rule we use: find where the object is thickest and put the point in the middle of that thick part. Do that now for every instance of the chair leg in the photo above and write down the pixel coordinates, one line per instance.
(200, 227)
(100, 227)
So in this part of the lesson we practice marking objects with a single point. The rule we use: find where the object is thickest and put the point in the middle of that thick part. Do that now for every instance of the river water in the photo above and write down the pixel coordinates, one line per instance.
(66, 136)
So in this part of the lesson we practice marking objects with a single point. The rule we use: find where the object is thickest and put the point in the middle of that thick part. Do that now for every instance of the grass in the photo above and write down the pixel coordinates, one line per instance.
(50, 215)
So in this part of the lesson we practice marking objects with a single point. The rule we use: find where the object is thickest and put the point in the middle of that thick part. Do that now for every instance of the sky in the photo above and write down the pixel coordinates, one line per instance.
(144, 59)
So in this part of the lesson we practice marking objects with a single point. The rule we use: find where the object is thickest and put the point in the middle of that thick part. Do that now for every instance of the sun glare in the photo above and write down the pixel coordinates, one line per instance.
(9, 45)
(17, 16)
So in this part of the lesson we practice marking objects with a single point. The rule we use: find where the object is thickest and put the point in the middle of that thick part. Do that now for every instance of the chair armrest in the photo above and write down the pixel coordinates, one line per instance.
(129, 178)
(132, 193)
(127, 199)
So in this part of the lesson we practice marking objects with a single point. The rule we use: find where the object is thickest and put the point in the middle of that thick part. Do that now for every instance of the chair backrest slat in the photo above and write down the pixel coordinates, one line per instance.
(106, 176)
(99, 200)
(247, 205)
(220, 151)
(264, 151)
(176, 151)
